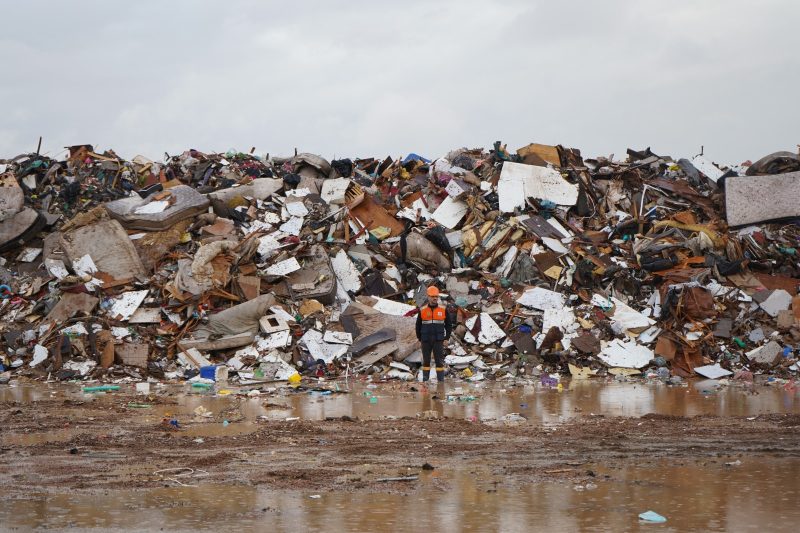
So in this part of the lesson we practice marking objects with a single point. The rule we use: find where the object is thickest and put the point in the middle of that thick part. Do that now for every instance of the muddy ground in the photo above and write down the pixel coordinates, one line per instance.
(102, 445)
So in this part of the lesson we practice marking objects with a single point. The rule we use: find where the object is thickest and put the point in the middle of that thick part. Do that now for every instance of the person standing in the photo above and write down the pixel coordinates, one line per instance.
(434, 325)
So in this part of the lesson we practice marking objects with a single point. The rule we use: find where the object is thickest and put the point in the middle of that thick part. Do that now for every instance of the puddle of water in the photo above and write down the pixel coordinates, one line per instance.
(29, 393)
(756, 495)
(41, 437)
(547, 406)
(483, 402)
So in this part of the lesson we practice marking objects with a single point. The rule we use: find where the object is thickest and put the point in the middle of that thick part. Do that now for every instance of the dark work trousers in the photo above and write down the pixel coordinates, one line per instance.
(437, 347)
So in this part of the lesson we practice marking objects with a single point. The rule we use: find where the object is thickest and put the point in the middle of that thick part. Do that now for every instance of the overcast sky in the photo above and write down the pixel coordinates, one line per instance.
(375, 78)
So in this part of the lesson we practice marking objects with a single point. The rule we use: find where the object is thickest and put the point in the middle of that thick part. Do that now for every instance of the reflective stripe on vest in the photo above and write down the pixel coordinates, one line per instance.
(433, 316)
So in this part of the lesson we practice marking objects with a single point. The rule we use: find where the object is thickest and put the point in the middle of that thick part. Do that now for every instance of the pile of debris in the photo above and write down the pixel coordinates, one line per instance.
(265, 268)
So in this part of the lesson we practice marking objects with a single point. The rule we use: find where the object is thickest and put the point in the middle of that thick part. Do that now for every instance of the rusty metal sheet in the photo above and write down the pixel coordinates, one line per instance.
(774, 282)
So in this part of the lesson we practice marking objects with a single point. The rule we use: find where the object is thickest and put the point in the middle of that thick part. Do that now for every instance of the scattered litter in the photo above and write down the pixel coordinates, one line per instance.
(246, 269)
(180, 475)
(652, 517)
(126, 304)
(712, 371)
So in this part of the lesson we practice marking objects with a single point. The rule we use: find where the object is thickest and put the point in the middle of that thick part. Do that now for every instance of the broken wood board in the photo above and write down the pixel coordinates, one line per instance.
(374, 216)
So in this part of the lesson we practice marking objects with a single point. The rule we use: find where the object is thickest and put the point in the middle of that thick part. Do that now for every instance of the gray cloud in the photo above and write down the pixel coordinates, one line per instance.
(362, 78)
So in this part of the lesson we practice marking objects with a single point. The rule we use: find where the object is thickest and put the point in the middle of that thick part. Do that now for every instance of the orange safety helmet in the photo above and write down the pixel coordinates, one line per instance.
(433, 290)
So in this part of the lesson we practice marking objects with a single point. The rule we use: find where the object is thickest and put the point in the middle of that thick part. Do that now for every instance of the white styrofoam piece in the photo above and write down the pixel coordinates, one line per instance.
(712, 371)
(283, 268)
(540, 298)
(519, 181)
(281, 313)
(555, 245)
(258, 225)
(627, 318)
(390, 307)
(708, 168)
(284, 370)
(28, 255)
(508, 261)
(40, 353)
(297, 208)
(272, 218)
(156, 206)
(333, 190)
(270, 324)
(338, 337)
(84, 266)
(301, 192)
(454, 188)
(193, 358)
(235, 362)
(267, 245)
(275, 340)
(410, 212)
(75, 329)
(126, 304)
(81, 367)
(778, 301)
(56, 268)
(490, 331)
(450, 212)
(625, 354)
(319, 349)
(346, 272)
(120, 333)
(563, 318)
(292, 226)
(649, 335)
(147, 315)
(454, 360)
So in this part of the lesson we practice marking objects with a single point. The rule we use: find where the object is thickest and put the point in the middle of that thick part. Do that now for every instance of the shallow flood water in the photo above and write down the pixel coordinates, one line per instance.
(755, 494)
(751, 496)
(479, 402)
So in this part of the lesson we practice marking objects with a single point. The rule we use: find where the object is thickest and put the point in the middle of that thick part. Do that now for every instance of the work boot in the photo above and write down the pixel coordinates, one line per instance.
(440, 374)
(426, 373)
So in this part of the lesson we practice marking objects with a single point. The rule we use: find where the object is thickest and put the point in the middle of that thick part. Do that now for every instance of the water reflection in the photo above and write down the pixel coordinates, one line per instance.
(759, 494)
(483, 401)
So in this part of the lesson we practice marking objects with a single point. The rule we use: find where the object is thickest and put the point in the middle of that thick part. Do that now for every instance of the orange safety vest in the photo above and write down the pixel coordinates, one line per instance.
(433, 316)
